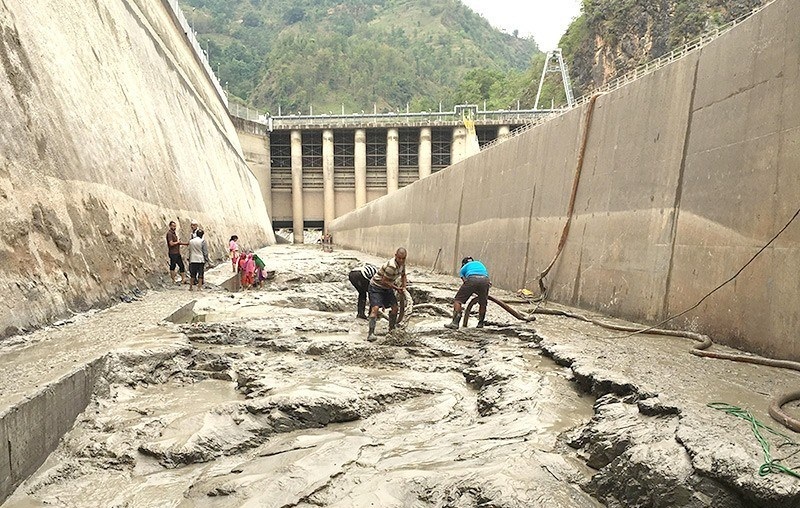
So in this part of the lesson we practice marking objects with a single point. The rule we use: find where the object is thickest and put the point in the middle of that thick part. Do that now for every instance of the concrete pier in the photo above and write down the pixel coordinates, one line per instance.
(392, 161)
(361, 167)
(297, 186)
(424, 152)
(459, 148)
(380, 160)
(503, 132)
(329, 198)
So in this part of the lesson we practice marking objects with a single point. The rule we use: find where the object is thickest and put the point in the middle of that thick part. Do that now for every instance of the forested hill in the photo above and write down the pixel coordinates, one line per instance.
(612, 37)
(359, 53)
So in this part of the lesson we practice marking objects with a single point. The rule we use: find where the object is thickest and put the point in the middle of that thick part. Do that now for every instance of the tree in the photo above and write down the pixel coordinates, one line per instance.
(476, 85)
(294, 15)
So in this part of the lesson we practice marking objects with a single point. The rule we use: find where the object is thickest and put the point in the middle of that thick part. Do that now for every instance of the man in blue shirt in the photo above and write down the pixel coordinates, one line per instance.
(476, 281)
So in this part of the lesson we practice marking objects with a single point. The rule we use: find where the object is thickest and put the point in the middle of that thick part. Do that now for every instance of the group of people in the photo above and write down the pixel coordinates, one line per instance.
(249, 266)
(327, 242)
(378, 284)
(198, 255)
(381, 286)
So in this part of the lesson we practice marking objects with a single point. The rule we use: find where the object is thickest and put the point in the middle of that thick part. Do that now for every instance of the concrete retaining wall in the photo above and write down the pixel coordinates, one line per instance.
(687, 173)
(110, 129)
(31, 430)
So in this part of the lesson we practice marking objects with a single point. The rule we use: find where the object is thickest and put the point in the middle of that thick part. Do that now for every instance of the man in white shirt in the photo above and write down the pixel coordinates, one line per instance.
(198, 257)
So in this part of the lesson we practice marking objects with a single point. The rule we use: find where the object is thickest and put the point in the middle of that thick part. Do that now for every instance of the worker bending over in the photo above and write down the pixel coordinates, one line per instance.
(476, 281)
(382, 288)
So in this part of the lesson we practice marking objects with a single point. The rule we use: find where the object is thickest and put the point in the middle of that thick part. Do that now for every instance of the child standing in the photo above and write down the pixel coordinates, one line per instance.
(233, 248)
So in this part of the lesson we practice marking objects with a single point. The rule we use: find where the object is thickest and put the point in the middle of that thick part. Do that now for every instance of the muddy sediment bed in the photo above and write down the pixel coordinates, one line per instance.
(273, 397)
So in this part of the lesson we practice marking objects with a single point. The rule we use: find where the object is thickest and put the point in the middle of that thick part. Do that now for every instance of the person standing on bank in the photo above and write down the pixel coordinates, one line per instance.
(195, 228)
(360, 278)
(476, 281)
(382, 288)
(233, 250)
(198, 257)
(174, 251)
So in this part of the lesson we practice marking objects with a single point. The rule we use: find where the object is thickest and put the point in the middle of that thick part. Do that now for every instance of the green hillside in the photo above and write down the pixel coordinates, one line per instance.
(360, 54)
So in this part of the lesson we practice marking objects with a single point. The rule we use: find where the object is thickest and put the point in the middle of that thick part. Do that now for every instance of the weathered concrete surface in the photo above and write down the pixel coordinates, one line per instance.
(110, 129)
(687, 173)
(740, 185)
(31, 430)
(624, 220)
(275, 398)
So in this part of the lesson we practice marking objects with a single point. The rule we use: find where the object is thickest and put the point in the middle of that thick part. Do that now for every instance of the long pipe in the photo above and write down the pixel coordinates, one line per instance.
(514, 312)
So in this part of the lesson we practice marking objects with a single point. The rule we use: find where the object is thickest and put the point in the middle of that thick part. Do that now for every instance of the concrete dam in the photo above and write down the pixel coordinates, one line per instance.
(115, 125)
(682, 176)
(111, 128)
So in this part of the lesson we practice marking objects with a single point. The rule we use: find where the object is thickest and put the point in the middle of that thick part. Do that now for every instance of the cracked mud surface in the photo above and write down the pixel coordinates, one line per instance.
(274, 398)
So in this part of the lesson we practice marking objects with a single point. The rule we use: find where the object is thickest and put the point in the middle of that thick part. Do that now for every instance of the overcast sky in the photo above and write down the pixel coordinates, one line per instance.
(545, 20)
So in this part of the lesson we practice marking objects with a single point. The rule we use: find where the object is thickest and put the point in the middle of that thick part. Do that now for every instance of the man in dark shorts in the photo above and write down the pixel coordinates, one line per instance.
(198, 257)
(360, 278)
(476, 281)
(174, 250)
(382, 288)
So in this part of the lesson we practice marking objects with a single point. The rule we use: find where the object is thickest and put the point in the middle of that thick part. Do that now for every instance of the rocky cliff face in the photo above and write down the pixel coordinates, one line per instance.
(612, 37)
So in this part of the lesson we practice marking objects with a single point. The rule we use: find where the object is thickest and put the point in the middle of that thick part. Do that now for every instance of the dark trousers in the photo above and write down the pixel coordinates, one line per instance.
(175, 260)
(477, 285)
(362, 285)
(196, 272)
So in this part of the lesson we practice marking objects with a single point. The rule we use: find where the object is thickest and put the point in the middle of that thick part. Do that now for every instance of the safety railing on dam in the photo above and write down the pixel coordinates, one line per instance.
(391, 119)
(198, 50)
(670, 57)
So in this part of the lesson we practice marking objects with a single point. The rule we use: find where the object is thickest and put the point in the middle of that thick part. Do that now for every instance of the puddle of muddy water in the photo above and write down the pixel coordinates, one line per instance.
(313, 415)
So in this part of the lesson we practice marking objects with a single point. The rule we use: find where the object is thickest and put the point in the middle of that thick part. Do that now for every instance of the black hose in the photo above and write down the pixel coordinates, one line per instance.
(514, 312)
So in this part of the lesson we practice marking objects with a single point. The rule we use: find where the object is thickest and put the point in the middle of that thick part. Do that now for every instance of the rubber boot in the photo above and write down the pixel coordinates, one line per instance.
(392, 321)
(371, 334)
(362, 303)
(454, 324)
(481, 320)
